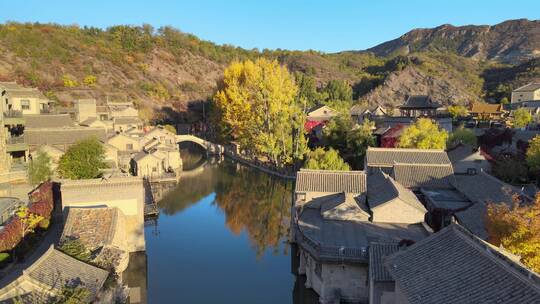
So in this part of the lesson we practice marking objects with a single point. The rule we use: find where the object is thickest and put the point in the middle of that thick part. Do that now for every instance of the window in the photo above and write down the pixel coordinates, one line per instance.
(154, 169)
(25, 104)
(129, 146)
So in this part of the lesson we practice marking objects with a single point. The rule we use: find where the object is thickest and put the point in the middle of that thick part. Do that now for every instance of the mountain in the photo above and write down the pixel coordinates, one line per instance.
(512, 41)
(168, 74)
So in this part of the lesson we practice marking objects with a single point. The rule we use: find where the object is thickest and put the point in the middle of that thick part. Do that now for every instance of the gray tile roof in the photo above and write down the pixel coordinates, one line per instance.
(377, 253)
(383, 189)
(485, 188)
(330, 181)
(388, 156)
(528, 88)
(62, 136)
(423, 175)
(127, 120)
(453, 266)
(354, 236)
(94, 227)
(55, 269)
(344, 206)
(472, 218)
(419, 101)
(48, 121)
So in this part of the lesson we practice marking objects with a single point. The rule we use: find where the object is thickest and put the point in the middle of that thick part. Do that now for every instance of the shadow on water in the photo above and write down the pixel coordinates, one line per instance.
(223, 230)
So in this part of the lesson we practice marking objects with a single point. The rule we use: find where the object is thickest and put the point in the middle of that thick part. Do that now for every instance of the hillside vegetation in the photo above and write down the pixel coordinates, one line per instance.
(164, 70)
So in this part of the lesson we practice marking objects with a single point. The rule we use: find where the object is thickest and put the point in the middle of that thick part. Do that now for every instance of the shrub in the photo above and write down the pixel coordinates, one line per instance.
(3, 257)
(90, 80)
(44, 224)
(76, 249)
(69, 82)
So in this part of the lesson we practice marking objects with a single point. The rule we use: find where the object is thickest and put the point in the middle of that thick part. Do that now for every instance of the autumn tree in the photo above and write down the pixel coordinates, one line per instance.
(521, 118)
(517, 229)
(464, 136)
(423, 134)
(457, 111)
(321, 159)
(256, 105)
(533, 153)
(83, 160)
(339, 95)
(39, 169)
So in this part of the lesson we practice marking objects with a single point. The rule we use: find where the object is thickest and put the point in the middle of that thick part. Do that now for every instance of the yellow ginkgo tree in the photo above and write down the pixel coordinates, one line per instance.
(517, 229)
(28, 220)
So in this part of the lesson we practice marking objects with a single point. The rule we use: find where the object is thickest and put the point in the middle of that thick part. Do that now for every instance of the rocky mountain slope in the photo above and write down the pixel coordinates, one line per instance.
(511, 41)
(164, 71)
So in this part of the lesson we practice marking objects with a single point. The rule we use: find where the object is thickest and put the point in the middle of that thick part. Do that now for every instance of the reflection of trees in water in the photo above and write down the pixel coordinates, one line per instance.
(190, 190)
(258, 203)
(251, 200)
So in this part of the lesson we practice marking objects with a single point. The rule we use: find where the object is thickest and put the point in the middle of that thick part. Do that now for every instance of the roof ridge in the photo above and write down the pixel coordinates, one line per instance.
(423, 164)
(404, 149)
(332, 171)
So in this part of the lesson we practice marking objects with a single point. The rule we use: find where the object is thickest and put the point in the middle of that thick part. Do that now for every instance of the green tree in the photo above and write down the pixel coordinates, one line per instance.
(83, 160)
(170, 128)
(39, 169)
(349, 139)
(320, 159)
(533, 153)
(464, 136)
(521, 118)
(423, 134)
(511, 170)
(308, 96)
(457, 111)
(338, 90)
(339, 95)
(72, 295)
(358, 140)
(256, 105)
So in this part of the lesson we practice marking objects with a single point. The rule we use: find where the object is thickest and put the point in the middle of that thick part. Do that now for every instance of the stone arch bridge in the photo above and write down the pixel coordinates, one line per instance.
(210, 147)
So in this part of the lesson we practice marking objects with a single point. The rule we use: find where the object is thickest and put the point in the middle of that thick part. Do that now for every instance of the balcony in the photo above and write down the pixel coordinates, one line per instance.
(12, 117)
(14, 144)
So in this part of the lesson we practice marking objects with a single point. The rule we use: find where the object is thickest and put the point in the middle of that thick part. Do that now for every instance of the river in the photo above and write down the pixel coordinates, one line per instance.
(221, 237)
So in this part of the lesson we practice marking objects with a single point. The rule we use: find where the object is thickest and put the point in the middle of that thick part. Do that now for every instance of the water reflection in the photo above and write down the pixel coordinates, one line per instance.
(222, 238)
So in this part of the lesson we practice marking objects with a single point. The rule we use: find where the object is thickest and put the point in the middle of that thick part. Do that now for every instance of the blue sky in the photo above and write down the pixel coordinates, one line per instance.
(295, 24)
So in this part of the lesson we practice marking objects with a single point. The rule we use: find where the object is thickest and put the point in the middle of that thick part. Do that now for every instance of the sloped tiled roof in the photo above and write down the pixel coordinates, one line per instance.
(486, 108)
(56, 269)
(389, 156)
(127, 120)
(453, 266)
(61, 136)
(423, 175)
(48, 121)
(330, 181)
(345, 206)
(94, 227)
(420, 101)
(485, 188)
(383, 189)
(377, 253)
(528, 87)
